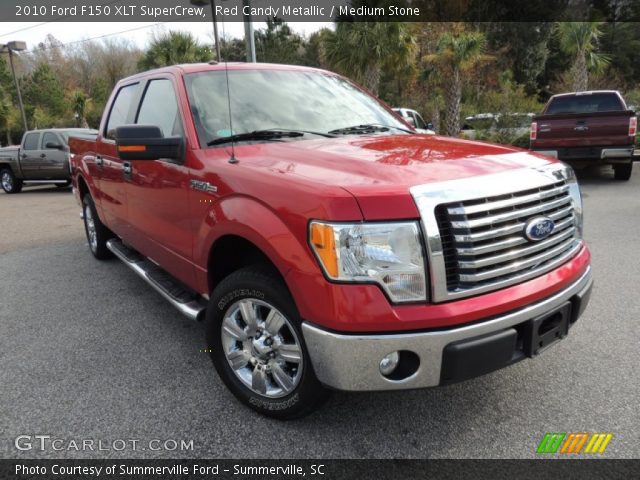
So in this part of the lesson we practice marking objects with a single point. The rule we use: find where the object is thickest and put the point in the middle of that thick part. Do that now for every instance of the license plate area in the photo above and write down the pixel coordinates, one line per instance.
(543, 331)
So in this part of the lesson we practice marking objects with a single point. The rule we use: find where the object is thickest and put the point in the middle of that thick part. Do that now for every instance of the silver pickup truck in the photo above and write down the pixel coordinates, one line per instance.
(42, 157)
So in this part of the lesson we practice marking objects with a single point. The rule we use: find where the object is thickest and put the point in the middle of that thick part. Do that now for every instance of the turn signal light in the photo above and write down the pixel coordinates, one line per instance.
(132, 148)
(324, 242)
(533, 133)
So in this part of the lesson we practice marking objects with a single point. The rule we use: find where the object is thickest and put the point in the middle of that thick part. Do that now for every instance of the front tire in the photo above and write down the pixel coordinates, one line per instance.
(622, 172)
(257, 346)
(10, 184)
(97, 233)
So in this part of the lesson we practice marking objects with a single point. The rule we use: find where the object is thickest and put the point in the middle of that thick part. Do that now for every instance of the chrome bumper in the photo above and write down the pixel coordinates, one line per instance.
(351, 362)
(625, 153)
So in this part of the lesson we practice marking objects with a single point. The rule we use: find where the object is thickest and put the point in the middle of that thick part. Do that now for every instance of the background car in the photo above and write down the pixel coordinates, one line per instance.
(414, 119)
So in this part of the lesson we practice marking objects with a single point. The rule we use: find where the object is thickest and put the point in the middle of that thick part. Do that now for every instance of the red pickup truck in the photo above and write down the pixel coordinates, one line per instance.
(586, 128)
(324, 242)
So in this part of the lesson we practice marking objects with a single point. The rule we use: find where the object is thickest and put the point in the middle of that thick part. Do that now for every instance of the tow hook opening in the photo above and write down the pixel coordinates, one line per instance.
(400, 365)
(550, 323)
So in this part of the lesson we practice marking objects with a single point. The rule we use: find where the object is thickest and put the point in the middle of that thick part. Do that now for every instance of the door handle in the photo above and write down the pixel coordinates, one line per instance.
(24, 155)
(126, 169)
(99, 161)
(43, 155)
(581, 128)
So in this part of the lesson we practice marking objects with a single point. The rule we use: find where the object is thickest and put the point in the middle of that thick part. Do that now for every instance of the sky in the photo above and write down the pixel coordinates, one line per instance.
(138, 33)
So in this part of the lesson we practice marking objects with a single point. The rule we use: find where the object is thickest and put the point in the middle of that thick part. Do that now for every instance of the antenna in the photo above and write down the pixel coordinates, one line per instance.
(233, 158)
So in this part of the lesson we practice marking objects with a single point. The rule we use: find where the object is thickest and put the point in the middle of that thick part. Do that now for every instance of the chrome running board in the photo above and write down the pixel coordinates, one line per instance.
(188, 302)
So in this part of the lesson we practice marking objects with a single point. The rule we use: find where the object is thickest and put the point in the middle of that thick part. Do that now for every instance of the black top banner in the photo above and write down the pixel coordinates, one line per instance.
(319, 10)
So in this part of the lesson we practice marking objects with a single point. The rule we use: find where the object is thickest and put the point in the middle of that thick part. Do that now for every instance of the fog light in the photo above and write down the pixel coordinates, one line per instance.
(389, 363)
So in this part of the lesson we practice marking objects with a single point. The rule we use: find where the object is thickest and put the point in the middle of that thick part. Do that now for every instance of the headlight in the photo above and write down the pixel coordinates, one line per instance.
(576, 198)
(389, 254)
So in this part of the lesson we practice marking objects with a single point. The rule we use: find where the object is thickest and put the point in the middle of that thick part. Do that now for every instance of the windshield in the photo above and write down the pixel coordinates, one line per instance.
(279, 99)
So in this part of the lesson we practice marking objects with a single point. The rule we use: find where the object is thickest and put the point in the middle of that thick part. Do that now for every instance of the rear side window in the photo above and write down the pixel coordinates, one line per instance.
(49, 137)
(31, 141)
(160, 107)
(120, 109)
(599, 102)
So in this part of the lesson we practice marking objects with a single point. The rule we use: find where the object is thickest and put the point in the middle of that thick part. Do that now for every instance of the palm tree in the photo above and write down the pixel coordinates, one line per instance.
(580, 40)
(456, 53)
(173, 48)
(361, 50)
(79, 100)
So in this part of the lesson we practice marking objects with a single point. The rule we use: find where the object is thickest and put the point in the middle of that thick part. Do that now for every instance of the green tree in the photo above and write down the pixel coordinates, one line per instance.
(522, 47)
(456, 53)
(43, 91)
(580, 41)
(361, 50)
(279, 44)
(173, 48)
(233, 50)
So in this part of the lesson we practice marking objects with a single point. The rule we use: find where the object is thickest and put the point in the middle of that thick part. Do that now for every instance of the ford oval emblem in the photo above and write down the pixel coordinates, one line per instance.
(538, 228)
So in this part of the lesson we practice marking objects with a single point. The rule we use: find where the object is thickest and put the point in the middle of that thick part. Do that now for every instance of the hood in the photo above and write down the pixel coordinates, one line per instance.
(380, 170)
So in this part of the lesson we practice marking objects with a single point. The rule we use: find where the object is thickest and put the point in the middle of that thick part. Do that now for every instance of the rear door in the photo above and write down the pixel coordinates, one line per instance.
(30, 160)
(54, 160)
(157, 192)
(109, 167)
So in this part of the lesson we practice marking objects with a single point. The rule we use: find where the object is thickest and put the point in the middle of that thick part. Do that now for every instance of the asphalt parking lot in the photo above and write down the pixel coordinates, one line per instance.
(87, 350)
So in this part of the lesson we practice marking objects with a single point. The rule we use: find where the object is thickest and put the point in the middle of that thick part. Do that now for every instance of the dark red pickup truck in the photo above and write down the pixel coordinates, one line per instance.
(327, 245)
(585, 128)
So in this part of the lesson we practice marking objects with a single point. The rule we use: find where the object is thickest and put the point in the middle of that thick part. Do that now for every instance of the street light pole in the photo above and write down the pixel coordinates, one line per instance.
(215, 30)
(216, 38)
(248, 29)
(17, 47)
(248, 33)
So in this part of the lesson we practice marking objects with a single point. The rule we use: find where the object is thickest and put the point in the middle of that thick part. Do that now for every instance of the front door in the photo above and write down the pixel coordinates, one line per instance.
(157, 194)
(54, 159)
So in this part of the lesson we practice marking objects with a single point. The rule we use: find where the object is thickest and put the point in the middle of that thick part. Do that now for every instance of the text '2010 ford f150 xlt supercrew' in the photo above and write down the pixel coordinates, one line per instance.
(327, 245)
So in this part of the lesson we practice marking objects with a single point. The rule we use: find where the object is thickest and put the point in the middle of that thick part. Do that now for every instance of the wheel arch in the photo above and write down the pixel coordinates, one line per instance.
(230, 253)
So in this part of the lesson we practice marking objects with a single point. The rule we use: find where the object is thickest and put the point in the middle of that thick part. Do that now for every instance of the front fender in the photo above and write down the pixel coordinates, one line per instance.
(255, 222)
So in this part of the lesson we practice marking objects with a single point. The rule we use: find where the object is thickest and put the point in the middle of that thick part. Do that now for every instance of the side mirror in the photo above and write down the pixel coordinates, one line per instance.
(146, 142)
(53, 146)
(430, 126)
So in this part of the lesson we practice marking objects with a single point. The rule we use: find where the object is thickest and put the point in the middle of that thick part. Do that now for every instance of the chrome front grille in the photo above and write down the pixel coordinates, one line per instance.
(475, 228)
(483, 239)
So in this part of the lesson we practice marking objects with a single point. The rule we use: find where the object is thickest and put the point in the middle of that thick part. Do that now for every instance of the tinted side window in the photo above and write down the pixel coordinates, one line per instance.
(160, 107)
(49, 137)
(31, 141)
(120, 109)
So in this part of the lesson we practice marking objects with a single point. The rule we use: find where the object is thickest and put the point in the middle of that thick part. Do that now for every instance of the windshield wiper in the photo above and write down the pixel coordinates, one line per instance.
(256, 135)
(367, 128)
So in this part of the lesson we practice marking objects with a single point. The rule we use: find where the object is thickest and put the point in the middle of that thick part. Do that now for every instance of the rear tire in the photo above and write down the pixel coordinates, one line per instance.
(257, 347)
(10, 184)
(97, 233)
(622, 172)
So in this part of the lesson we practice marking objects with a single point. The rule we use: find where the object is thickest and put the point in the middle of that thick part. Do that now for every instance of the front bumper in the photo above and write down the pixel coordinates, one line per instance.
(351, 362)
